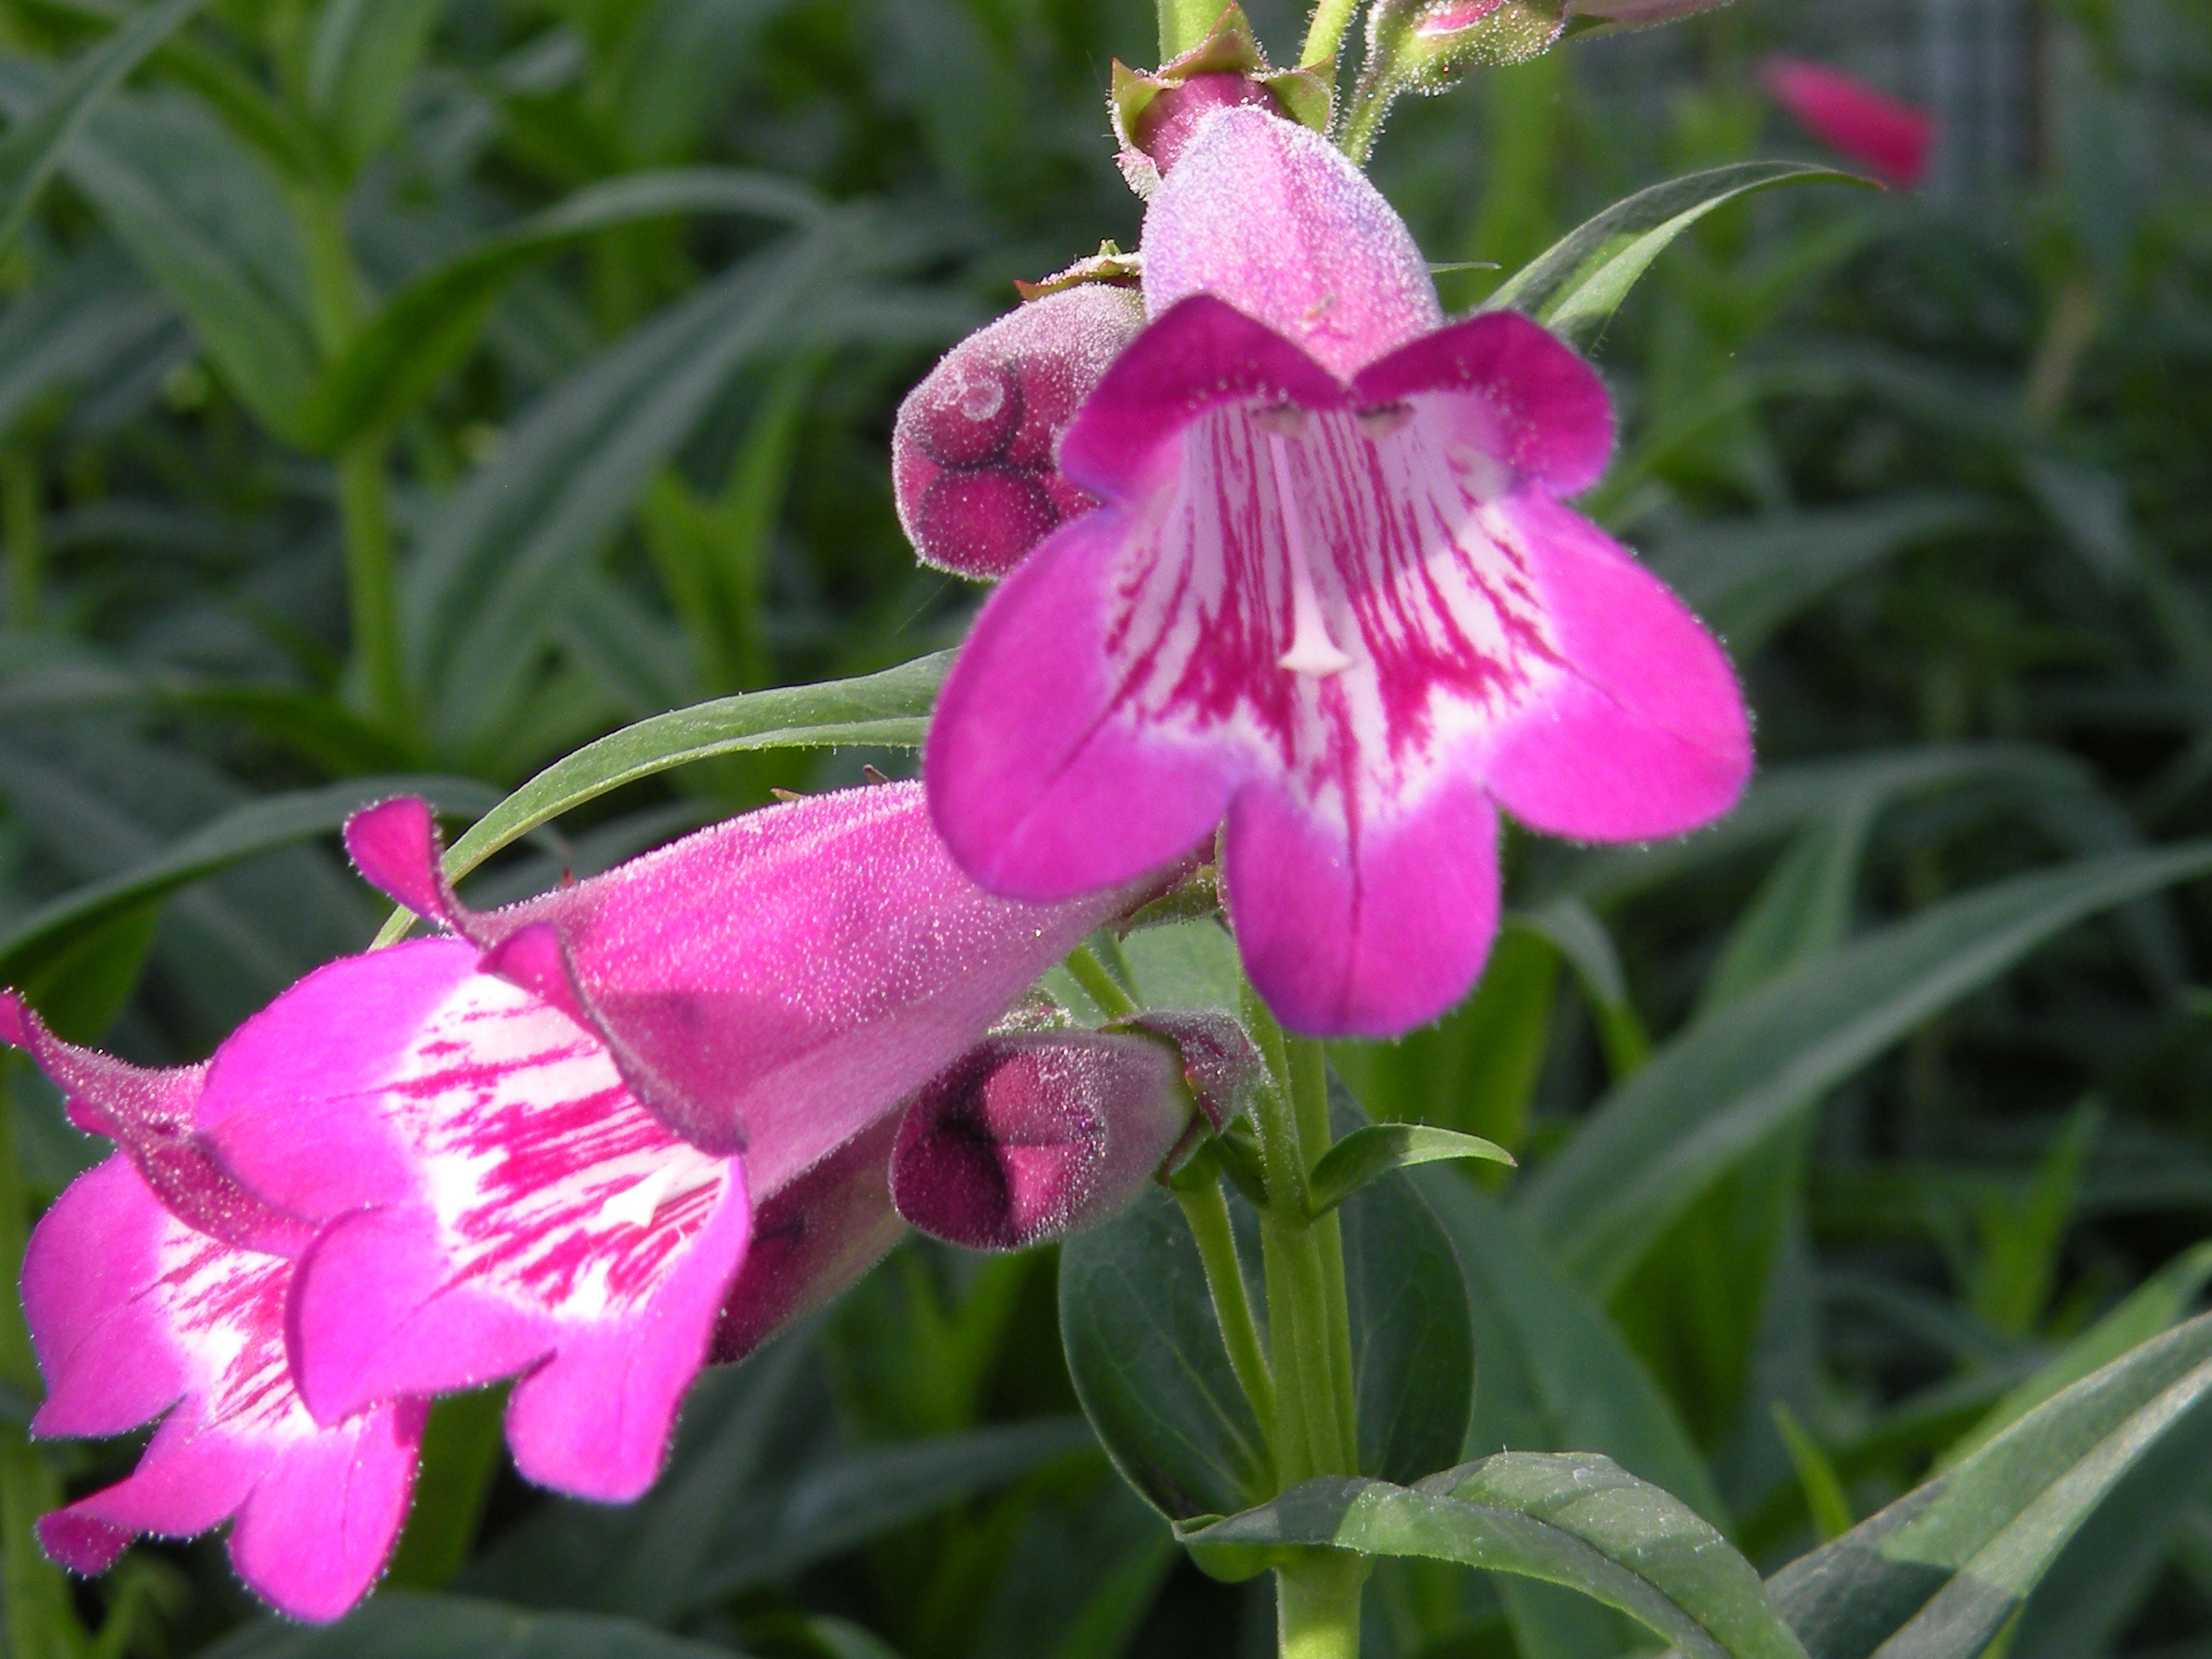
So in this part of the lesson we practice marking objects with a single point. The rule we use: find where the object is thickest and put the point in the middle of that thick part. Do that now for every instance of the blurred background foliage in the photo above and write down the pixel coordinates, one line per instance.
(419, 389)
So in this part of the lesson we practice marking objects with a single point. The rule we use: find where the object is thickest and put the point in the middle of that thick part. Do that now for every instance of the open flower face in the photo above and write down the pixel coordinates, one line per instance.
(1332, 599)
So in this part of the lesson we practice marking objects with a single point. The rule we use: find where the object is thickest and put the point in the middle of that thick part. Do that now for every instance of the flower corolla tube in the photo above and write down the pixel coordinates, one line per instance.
(591, 1141)
(1332, 604)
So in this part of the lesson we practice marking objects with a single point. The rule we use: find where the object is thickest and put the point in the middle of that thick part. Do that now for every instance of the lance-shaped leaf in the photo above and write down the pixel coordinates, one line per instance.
(1938, 1573)
(1367, 1153)
(1572, 1519)
(1580, 281)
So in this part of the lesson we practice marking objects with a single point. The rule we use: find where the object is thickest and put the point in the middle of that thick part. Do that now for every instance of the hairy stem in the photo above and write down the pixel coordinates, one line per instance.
(1105, 991)
(1207, 1211)
(1324, 38)
(1317, 1607)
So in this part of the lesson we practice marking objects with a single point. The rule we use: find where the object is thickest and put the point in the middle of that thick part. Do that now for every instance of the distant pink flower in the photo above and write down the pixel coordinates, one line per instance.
(1332, 597)
(137, 1314)
(1889, 137)
(971, 456)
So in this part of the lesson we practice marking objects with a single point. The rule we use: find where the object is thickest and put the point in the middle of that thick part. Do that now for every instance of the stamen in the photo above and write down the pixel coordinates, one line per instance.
(1383, 420)
(1312, 651)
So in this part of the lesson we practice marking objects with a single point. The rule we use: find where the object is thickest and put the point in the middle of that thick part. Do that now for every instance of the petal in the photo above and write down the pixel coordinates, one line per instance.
(101, 1333)
(316, 1530)
(1201, 354)
(1034, 1136)
(1368, 934)
(1040, 788)
(1645, 734)
(116, 1285)
(149, 1114)
(813, 1239)
(1271, 218)
(785, 978)
(972, 453)
(1535, 405)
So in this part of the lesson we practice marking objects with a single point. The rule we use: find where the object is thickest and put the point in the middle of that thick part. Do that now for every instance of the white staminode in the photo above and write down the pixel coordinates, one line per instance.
(1312, 651)
(637, 1205)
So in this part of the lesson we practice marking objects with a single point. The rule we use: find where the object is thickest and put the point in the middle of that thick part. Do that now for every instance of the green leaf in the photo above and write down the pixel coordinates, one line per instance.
(1656, 1142)
(888, 710)
(211, 231)
(1939, 1573)
(1577, 284)
(760, 1487)
(462, 1450)
(1149, 1366)
(1572, 1519)
(1747, 577)
(1556, 1374)
(363, 54)
(34, 143)
(1368, 1153)
(423, 330)
(261, 826)
(402, 1624)
(1824, 1491)
(2154, 1306)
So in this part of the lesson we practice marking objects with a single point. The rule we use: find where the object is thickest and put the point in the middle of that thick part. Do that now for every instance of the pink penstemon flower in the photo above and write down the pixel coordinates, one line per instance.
(1331, 603)
(541, 1147)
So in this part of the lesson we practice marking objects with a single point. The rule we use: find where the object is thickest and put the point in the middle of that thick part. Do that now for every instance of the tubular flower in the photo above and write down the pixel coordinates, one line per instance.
(971, 453)
(135, 1314)
(770, 985)
(1891, 138)
(1331, 598)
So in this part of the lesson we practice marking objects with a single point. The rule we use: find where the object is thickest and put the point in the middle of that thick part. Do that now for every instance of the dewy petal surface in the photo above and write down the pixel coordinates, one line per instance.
(1269, 217)
(496, 1201)
(772, 985)
(132, 1313)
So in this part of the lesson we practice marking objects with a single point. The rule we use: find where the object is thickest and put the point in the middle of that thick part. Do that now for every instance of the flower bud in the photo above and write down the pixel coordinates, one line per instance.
(1156, 115)
(1889, 139)
(1032, 1136)
(972, 453)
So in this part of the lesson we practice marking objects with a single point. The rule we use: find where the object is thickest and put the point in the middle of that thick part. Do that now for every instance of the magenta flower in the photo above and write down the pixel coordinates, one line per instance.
(770, 985)
(134, 1314)
(971, 456)
(1332, 597)
(1890, 138)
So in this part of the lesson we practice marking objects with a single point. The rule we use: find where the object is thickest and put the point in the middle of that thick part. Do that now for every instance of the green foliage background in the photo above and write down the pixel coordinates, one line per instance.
(1844, 1126)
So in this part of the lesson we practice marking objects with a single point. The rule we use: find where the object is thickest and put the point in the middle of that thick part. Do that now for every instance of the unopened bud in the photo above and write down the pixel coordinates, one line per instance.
(972, 453)
(1156, 115)
(1034, 1136)
(1425, 46)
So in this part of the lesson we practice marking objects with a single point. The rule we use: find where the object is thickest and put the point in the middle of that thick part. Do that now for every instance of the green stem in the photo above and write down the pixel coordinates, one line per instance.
(1324, 39)
(19, 505)
(1318, 1607)
(1105, 991)
(374, 589)
(1184, 23)
(1207, 1211)
(1309, 1089)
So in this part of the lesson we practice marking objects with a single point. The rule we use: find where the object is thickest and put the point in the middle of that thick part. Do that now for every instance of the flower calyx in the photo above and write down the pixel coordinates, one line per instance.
(1156, 114)
(1425, 46)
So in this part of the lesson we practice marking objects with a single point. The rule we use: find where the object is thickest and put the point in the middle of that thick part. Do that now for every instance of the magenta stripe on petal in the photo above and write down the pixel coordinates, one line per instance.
(1271, 218)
